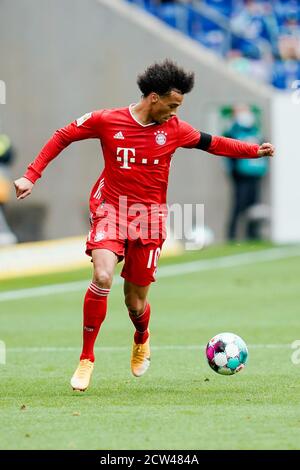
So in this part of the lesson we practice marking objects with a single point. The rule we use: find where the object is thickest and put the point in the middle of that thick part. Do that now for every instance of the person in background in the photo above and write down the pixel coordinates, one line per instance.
(246, 174)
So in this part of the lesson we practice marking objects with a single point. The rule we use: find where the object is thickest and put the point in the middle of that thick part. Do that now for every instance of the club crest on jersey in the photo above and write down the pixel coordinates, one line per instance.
(82, 119)
(160, 137)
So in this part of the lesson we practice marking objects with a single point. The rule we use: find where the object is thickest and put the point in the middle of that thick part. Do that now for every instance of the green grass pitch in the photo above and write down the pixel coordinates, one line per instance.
(180, 403)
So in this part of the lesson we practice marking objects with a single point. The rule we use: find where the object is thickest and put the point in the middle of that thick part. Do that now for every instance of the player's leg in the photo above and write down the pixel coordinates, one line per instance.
(139, 271)
(139, 313)
(94, 312)
(95, 302)
(137, 305)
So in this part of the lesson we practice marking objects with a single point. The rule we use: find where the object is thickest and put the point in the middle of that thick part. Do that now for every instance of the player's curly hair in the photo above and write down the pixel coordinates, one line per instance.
(164, 77)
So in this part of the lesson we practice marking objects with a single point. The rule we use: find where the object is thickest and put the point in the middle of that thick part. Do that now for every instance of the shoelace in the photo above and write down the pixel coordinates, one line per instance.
(139, 353)
(82, 369)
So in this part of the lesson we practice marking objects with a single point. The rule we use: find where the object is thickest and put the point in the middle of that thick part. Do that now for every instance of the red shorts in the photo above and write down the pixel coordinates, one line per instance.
(141, 255)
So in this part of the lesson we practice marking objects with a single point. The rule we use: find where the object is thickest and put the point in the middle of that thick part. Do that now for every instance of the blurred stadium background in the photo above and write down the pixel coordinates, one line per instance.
(62, 58)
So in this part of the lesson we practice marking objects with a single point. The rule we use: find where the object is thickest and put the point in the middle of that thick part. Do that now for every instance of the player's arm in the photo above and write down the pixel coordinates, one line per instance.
(189, 137)
(86, 127)
(233, 148)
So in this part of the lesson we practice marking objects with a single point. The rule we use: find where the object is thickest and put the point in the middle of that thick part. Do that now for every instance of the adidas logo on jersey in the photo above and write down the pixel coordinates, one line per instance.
(119, 135)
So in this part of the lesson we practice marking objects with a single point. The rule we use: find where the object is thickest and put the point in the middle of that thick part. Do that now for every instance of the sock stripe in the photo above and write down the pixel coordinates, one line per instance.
(140, 317)
(98, 291)
(142, 314)
(99, 288)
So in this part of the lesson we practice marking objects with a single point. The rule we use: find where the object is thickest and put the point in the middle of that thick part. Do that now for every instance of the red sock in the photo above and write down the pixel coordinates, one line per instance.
(94, 312)
(141, 325)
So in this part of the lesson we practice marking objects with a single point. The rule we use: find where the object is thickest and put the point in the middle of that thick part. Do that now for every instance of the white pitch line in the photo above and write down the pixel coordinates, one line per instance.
(241, 259)
(171, 347)
(44, 290)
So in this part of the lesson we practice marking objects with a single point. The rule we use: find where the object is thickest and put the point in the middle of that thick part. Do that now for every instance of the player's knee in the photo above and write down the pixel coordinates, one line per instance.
(135, 312)
(102, 278)
(135, 305)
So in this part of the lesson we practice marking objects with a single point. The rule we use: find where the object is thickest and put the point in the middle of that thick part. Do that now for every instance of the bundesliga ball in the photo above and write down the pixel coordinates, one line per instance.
(226, 353)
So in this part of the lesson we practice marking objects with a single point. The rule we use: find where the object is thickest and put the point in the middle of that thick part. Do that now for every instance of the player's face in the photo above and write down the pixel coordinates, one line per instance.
(165, 107)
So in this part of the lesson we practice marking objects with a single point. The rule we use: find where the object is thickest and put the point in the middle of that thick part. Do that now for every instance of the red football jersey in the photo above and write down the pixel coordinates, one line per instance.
(137, 157)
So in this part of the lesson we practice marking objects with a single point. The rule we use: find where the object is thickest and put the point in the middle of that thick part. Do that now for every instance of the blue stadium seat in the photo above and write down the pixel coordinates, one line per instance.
(224, 7)
(285, 73)
(175, 15)
(197, 23)
(214, 40)
(249, 48)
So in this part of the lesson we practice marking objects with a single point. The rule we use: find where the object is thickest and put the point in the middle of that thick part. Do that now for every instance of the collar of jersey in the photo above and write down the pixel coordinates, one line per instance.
(138, 122)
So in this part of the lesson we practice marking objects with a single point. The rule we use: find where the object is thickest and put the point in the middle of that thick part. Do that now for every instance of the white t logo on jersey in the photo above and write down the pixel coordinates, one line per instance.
(126, 156)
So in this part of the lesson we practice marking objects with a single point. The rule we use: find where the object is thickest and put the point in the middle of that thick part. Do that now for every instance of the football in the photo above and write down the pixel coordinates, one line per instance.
(226, 353)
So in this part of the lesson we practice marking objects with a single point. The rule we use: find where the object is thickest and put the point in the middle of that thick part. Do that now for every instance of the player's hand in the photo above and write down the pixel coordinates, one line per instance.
(266, 150)
(23, 187)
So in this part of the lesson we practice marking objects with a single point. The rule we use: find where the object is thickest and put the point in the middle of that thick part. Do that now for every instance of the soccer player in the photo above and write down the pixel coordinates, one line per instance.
(137, 143)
